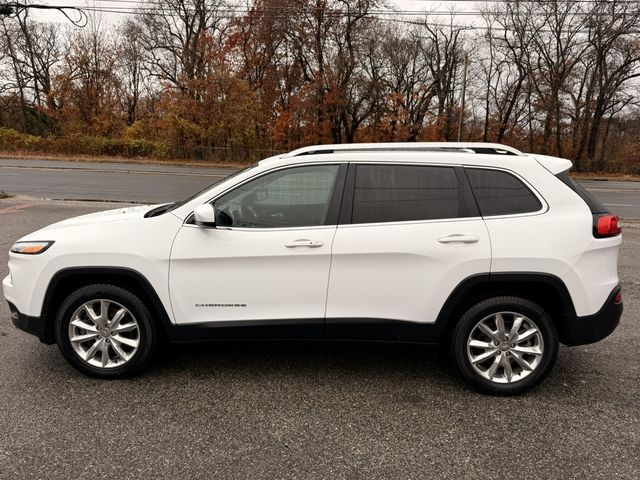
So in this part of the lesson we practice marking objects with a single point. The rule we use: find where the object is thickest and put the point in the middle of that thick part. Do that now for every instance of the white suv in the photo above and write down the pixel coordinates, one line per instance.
(480, 247)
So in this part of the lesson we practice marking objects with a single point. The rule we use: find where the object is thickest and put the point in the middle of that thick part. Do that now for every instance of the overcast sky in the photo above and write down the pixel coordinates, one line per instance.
(406, 5)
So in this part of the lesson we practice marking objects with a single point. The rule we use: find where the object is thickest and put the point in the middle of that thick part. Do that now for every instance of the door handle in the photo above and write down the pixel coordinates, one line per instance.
(458, 238)
(303, 242)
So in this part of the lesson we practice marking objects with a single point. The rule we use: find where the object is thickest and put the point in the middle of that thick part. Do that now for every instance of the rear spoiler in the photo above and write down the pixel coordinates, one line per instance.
(555, 165)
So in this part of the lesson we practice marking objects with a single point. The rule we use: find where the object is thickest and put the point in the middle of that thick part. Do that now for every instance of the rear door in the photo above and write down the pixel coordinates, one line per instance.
(408, 235)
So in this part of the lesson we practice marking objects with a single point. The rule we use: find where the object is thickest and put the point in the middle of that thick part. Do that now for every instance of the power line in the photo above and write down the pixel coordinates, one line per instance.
(419, 23)
(483, 28)
(15, 8)
(156, 8)
(133, 5)
(559, 2)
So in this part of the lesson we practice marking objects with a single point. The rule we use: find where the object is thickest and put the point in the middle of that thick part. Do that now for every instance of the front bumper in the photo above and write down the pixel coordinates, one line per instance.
(33, 325)
(593, 328)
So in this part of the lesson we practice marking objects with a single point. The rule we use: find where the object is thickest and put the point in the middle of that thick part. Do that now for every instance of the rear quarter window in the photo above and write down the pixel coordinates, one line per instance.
(501, 193)
(594, 205)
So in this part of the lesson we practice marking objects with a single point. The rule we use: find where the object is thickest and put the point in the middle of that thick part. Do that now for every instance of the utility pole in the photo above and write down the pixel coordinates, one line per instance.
(464, 91)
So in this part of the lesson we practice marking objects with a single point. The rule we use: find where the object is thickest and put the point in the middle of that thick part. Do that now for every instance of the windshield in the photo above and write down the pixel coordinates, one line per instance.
(173, 206)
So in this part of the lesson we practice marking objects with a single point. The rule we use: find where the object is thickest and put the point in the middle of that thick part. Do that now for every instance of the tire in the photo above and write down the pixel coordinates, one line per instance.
(530, 352)
(111, 349)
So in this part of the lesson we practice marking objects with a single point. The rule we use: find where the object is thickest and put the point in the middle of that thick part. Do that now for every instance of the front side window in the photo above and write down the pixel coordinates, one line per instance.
(500, 193)
(396, 193)
(295, 197)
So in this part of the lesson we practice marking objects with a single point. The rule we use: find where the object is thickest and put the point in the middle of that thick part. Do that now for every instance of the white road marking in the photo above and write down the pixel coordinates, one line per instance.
(617, 205)
(10, 174)
(102, 170)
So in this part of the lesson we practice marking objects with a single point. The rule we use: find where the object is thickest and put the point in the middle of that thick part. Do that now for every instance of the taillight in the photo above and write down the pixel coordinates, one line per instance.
(606, 226)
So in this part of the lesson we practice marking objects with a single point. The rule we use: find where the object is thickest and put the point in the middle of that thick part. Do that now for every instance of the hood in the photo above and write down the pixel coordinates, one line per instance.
(109, 216)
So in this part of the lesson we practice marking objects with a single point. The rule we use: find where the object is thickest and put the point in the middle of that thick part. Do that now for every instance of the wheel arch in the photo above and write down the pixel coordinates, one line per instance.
(546, 290)
(66, 281)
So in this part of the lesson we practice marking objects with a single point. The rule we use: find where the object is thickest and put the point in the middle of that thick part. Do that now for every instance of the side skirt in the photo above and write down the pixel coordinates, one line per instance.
(352, 329)
(248, 330)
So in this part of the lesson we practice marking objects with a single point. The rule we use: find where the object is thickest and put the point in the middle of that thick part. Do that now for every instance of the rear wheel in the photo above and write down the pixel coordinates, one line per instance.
(505, 345)
(105, 331)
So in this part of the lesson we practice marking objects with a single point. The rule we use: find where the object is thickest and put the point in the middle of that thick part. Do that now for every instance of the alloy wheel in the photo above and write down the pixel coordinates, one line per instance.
(104, 333)
(505, 347)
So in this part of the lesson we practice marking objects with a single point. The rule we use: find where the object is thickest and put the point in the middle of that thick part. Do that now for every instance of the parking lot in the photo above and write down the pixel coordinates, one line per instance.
(312, 410)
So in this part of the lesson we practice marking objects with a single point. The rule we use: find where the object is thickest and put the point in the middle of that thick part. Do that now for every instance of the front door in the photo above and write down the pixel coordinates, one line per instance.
(266, 263)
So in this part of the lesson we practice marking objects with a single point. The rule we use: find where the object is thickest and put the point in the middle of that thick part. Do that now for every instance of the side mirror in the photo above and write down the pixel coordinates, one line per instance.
(205, 216)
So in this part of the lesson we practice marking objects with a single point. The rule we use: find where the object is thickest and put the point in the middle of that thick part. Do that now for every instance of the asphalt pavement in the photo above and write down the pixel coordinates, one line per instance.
(142, 183)
(312, 410)
(621, 197)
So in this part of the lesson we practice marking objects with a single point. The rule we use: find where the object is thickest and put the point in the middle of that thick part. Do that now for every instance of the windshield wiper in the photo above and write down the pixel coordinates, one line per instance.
(154, 212)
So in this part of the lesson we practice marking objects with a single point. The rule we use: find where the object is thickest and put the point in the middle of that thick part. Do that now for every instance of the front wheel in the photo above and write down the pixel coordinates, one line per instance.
(505, 345)
(105, 331)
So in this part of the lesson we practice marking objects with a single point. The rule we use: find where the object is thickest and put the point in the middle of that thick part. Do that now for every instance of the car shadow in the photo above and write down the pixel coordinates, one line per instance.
(306, 359)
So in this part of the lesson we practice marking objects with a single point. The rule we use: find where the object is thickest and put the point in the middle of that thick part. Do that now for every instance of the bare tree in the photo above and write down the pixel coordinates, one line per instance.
(616, 58)
(411, 87)
(173, 34)
(443, 55)
(88, 84)
(39, 44)
(511, 33)
(132, 71)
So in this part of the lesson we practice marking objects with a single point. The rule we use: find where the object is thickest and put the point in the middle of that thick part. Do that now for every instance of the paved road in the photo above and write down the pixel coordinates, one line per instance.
(623, 198)
(157, 184)
(105, 181)
(322, 411)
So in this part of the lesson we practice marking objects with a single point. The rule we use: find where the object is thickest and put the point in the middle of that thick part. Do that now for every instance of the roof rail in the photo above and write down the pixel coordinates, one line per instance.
(478, 148)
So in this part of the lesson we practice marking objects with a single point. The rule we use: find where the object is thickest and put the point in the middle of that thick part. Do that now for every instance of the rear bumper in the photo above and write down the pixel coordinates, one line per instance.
(33, 325)
(593, 328)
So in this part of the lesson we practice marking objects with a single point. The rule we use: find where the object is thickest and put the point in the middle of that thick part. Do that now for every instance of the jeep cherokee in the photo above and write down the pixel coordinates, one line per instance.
(496, 254)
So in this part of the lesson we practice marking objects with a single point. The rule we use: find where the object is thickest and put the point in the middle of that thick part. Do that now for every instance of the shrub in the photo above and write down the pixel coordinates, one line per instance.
(13, 141)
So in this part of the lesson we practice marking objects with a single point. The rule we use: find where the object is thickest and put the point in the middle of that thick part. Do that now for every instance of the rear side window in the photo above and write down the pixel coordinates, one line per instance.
(594, 205)
(396, 193)
(500, 193)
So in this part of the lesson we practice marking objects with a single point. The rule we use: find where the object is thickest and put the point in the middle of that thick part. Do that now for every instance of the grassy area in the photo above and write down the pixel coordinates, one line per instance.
(12, 140)
(82, 148)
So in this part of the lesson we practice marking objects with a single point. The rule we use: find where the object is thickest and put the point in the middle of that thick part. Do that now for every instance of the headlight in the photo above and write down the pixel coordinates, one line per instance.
(30, 248)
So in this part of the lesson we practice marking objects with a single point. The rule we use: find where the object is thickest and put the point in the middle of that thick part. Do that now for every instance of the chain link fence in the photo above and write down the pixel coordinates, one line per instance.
(223, 154)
